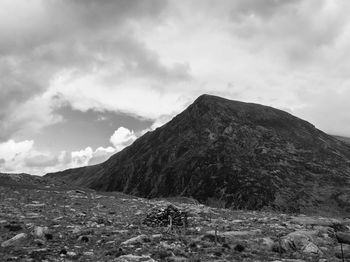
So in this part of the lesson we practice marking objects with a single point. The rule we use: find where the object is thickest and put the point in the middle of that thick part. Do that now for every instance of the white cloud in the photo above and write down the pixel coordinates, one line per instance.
(82, 157)
(88, 156)
(12, 151)
(23, 157)
(17, 156)
(122, 137)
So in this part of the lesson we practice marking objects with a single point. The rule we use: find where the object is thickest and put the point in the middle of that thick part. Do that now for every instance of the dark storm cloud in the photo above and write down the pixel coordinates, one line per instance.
(79, 35)
(57, 20)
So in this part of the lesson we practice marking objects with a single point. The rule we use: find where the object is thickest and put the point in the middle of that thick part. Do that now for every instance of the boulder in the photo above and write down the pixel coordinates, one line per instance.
(134, 258)
(17, 239)
(135, 240)
(343, 237)
(40, 231)
(299, 241)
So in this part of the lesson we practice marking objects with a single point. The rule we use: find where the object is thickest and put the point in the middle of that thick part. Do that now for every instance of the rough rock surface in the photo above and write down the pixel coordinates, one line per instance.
(83, 225)
(232, 154)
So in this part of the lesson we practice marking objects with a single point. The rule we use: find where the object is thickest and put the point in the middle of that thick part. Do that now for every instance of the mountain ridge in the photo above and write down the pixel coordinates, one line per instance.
(243, 155)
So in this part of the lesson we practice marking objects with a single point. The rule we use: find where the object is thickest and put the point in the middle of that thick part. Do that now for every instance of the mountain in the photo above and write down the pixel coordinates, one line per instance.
(343, 138)
(232, 154)
(21, 179)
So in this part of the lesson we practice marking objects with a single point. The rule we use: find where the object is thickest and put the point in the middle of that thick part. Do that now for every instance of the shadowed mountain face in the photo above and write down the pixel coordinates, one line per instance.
(238, 154)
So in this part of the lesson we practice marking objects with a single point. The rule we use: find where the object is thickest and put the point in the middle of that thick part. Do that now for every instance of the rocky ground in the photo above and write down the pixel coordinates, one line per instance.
(50, 223)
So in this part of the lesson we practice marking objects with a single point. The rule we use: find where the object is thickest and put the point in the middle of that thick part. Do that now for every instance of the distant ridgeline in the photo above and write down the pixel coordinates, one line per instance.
(21, 179)
(239, 155)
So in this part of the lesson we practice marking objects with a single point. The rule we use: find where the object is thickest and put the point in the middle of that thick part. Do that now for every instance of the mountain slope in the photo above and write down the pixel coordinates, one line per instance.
(343, 138)
(22, 180)
(242, 155)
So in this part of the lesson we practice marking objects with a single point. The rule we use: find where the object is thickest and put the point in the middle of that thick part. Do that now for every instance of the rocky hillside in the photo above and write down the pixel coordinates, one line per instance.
(24, 180)
(343, 138)
(232, 154)
(69, 224)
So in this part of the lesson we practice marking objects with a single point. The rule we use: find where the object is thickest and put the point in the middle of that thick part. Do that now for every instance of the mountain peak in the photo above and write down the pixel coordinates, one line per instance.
(242, 155)
(208, 98)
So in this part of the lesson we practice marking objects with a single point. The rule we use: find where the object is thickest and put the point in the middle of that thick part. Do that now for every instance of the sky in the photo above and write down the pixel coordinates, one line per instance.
(82, 79)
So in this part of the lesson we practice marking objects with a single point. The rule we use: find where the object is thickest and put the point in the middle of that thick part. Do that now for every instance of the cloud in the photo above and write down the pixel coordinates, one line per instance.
(298, 31)
(11, 150)
(82, 157)
(22, 156)
(88, 156)
(122, 137)
(14, 154)
(327, 109)
(46, 38)
(101, 154)
(150, 59)
(41, 161)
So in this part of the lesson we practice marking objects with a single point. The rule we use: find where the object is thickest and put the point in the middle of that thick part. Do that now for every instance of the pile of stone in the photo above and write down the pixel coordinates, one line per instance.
(166, 216)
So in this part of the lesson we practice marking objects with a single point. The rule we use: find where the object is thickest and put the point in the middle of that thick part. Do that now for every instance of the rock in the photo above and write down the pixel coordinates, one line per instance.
(178, 259)
(76, 229)
(157, 237)
(239, 248)
(325, 232)
(343, 237)
(40, 231)
(268, 243)
(48, 236)
(15, 240)
(311, 248)
(299, 241)
(123, 231)
(39, 242)
(83, 239)
(135, 240)
(133, 258)
(71, 254)
(314, 221)
(233, 234)
(13, 226)
(139, 212)
(346, 251)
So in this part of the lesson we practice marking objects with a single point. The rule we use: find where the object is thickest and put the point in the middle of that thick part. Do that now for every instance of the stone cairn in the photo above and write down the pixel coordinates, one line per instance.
(166, 216)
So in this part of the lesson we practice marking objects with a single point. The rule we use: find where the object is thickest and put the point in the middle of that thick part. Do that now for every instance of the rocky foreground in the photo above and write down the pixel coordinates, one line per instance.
(51, 223)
